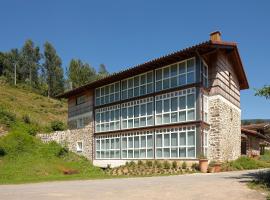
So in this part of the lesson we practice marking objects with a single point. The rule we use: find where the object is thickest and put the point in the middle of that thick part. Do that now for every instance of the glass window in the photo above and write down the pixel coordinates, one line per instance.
(143, 109)
(149, 141)
(174, 139)
(130, 112)
(166, 139)
(136, 142)
(158, 85)
(166, 72)
(159, 74)
(182, 139)
(191, 115)
(143, 141)
(159, 140)
(136, 111)
(191, 101)
(173, 70)
(166, 105)
(149, 108)
(191, 138)
(158, 106)
(174, 104)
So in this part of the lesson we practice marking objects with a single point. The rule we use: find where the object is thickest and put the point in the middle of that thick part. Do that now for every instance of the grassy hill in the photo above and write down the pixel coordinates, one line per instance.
(40, 109)
(23, 157)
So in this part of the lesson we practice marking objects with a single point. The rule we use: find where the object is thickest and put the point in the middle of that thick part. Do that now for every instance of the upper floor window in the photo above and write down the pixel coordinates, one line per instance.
(108, 94)
(108, 118)
(137, 86)
(80, 123)
(205, 75)
(80, 100)
(176, 107)
(138, 113)
(177, 74)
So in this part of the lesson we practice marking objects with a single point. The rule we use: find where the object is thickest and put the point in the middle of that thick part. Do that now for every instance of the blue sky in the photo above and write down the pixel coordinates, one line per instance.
(125, 33)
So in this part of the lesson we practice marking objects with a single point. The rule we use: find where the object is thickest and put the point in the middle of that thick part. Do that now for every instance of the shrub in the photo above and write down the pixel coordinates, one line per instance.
(149, 163)
(184, 165)
(7, 118)
(140, 163)
(174, 164)
(158, 164)
(32, 130)
(195, 166)
(57, 125)
(2, 152)
(167, 165)
(26, 119)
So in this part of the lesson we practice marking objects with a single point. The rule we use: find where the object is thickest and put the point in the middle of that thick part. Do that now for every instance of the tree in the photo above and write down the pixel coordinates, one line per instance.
(264, 92)
(30, 58)
(11, 66)
(2, 59)
(102, 71)
(80, 73)
(53, 70)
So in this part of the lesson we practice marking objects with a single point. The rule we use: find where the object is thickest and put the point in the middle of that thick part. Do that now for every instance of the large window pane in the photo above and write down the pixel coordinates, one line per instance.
(150, 120)
(142, 153)
(149, 108)
(158, 119)
(190, 77)
(191, 138)
(130, 142)
(166, 139)
(173, 82)
(166, 72)
(174, 104)
(159, 153)
(136, 142)
(143, 121)
(130, 112)
(136, 80)
(182, 102)
(159, 140)
(150, 153)
(158, 106)
(124, 124)
(143, 79)
(149, 141)
(158, 74)
(130, 123)
(166, 84)
(174, 139)
(182, 68)
(166, 118)
(136, 122)
(149, 77)
(136, 91)
(191, 152)
(182, 152)
(173, 70)
(124, 94)
(190, 65)
(143, 90)
(166, 152)
(143, 109)
(190, 101)
(124, 113)
(143, 141)
(174, 117)
(182, 79)
(191, 115)
(136, 111)
(182, 116)
(174, 152)
(124, 85)
(182, 139)
(158, 85)
(166, 105)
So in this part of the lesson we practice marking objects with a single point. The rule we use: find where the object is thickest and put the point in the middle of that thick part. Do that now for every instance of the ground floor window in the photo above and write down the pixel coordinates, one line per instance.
(161, 144)
(176, 143)
(108, 147)
(79, 146)
(205, 143)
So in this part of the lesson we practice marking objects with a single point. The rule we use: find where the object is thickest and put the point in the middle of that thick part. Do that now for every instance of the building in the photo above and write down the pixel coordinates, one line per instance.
(178, 106)
(254, 139)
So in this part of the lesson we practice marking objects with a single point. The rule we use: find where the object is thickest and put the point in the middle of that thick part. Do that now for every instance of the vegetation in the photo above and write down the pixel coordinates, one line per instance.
(151, 168)
(29, 107)
(24, 158)
(244, 163)
(261, 182)
(42, 72)
(263, 92)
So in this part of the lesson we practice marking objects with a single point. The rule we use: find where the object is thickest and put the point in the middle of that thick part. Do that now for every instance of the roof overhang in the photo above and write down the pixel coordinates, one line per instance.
(202, 49)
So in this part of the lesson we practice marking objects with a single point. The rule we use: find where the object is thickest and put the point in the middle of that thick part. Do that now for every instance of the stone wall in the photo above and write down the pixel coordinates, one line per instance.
(70, 138)
(225, 129)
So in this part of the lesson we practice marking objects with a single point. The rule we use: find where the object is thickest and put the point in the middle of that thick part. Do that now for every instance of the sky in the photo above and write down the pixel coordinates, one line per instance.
(124, 33)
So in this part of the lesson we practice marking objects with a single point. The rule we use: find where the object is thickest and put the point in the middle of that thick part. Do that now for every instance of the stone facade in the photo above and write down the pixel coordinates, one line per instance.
(225, 129)
(70, 138)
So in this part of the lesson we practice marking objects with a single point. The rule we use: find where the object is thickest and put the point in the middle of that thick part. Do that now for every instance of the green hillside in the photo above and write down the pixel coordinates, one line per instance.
(40, 109)
(23, 157)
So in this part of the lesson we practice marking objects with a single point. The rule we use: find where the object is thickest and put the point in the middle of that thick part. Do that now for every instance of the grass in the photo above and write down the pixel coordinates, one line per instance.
(24, 158)
(22, 102)
(244, 163)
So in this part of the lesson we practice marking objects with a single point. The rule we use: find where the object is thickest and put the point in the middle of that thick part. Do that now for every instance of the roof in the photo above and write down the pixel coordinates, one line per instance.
(262, 127)
(201, 48)
(252, 133)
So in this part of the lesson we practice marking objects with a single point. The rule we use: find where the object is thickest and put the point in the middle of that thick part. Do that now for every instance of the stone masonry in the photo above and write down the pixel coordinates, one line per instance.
(225, 130)
(70, 138)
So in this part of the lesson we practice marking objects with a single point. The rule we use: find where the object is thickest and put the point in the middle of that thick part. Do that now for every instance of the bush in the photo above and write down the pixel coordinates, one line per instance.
(7, 118)
(195, 166)
(149, 163)
(167, 165)
(140, 163)
(2, 152)
(174, 164)
(32, 130)
(184, 165)
(26, 119)
(158, 164)
(57, 126)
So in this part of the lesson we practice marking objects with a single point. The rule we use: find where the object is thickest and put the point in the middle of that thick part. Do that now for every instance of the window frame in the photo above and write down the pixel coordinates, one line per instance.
(78, 148)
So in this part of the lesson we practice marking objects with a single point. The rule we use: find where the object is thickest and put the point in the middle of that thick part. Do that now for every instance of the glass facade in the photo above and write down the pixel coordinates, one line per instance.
(175, 75)
(139, 113)
(107, 94)
(162, 144)
(137, 85)
(107, 119)
(179, 106)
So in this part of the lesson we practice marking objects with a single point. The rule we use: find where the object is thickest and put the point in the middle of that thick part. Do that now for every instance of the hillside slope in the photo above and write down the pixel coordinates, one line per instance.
(40, 109)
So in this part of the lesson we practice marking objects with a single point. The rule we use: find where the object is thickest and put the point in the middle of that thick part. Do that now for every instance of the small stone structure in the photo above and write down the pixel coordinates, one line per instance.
(225, 130)
(70, 139)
